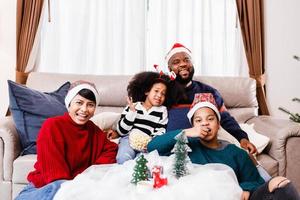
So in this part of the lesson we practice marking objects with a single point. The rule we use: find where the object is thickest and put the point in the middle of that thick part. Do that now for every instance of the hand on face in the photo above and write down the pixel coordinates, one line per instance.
(198, 131)
(205, 131)
(205, 124)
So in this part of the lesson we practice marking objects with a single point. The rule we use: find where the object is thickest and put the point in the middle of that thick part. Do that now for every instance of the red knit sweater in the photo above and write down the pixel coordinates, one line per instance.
(65, 149)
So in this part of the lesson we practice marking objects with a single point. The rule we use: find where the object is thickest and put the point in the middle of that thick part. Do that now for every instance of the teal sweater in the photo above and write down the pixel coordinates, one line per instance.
(236, 158)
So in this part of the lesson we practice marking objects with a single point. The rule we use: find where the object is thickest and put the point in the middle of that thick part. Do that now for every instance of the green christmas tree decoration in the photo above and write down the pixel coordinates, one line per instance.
(293, 116)
(140, 171)
(181, 150)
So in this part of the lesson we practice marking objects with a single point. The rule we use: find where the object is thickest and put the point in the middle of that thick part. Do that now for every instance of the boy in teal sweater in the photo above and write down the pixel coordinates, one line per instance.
(206, 148)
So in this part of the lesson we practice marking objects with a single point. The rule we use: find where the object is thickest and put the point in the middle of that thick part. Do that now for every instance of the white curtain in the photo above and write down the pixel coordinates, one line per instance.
(94, 37)
(128, 36)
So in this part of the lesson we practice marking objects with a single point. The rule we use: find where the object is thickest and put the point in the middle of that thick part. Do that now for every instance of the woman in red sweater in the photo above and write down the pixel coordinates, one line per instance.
(68, 144)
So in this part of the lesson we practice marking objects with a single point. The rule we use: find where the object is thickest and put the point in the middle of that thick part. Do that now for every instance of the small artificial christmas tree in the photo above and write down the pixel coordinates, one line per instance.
(141, 171)
(181, 150)
(293, 116)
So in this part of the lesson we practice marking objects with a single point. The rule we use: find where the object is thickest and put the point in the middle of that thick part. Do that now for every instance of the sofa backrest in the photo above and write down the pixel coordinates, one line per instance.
(239, 93)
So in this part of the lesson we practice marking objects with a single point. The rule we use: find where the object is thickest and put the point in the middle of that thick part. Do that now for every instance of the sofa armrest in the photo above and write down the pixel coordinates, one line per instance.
(283, 134)
(9, 147)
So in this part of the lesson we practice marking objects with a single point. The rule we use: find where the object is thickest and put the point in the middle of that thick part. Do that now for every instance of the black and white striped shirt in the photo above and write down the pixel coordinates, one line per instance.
(152, 122)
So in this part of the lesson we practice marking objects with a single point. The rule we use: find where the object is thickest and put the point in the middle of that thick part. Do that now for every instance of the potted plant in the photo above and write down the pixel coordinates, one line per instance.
(293, 116)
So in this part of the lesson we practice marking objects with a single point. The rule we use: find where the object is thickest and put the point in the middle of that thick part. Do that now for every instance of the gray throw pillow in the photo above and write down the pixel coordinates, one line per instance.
(30, 108)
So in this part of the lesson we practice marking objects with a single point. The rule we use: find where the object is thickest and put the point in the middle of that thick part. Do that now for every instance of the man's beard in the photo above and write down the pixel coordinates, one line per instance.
(186, 80)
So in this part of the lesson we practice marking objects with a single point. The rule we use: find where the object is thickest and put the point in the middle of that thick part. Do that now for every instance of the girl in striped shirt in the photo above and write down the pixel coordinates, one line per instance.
(146, 115)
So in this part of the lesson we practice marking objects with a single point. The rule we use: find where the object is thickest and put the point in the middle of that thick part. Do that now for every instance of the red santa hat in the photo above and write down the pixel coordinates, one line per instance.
(203, 100)
(177, 47)
(76, 87)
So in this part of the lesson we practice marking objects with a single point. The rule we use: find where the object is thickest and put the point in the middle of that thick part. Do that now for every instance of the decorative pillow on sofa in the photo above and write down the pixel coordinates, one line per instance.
(224, 135)
(106, 120)
(259, 140)
(30, 108)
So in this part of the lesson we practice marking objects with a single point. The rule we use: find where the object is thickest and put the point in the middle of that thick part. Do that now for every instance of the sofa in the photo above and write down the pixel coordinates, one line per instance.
(280, 157)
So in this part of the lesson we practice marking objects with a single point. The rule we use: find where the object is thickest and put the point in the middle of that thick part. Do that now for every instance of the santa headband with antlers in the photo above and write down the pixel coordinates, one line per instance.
(170, 74)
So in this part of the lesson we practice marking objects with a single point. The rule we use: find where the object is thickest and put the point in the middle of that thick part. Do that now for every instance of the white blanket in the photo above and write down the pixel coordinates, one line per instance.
(112, 182)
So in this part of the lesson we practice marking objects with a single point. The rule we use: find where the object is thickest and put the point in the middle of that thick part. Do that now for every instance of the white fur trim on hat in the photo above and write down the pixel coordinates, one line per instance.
(74, 91)
(201, 105)
(177, 48)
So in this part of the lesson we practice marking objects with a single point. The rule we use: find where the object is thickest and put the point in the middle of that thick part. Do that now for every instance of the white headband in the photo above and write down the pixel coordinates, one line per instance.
(74, 91)
(201, 105)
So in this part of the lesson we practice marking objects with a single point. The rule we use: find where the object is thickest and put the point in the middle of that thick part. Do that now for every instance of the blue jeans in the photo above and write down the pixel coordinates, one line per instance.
(263, 173)
(125, 152)
(46, 192)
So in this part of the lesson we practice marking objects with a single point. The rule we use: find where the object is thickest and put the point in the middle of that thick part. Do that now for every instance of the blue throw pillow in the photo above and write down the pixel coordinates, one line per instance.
(177, 118)
(30, 108)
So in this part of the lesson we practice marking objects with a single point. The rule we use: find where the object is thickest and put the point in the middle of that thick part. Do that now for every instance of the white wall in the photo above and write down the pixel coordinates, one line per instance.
(7, 49)
(282, 33)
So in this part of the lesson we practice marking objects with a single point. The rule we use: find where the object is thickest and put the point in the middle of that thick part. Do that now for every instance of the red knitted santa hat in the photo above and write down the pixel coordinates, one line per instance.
(177, 47)
(203, 100)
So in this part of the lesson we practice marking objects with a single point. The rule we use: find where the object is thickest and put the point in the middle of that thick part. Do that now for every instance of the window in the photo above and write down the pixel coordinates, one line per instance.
(128, 36)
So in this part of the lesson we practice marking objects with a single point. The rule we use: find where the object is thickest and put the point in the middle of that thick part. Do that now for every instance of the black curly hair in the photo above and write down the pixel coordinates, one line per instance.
(88, 94)
(142, 83)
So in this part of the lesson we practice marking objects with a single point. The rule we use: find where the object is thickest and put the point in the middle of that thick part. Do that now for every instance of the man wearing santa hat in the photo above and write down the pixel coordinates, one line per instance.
(179, 60)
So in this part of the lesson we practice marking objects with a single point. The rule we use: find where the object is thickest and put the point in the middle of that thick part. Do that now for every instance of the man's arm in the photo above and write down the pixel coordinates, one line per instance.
(232, 127)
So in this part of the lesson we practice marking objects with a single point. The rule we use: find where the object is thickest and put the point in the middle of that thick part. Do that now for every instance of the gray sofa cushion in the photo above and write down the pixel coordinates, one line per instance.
(22, 166)
(268, 163)
(30, 108)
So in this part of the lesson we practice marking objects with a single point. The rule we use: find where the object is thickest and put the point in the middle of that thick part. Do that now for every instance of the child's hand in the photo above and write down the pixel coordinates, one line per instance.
(131, 104)
(204, 131)
(111, 134)
(192, 132)
(197, 132)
